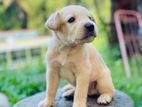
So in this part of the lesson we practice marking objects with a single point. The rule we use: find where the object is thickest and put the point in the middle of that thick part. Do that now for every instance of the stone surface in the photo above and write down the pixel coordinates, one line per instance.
(4, 101)
(120, 100)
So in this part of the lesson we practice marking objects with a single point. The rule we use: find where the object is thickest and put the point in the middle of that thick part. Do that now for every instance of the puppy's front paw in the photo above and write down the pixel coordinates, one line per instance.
(104, 99)
(44, 103)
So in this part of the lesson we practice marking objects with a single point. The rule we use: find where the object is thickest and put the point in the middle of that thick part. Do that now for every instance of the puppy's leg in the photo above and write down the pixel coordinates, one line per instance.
(106, 88)
(81, 90)
(52, 82)
(92, 90)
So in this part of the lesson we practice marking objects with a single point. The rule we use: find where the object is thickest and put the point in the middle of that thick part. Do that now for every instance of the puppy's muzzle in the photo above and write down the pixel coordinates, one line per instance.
(89, 31)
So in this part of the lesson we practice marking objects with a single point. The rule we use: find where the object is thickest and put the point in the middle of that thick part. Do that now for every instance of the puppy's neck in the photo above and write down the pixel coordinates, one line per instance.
(62, 45)
(62, 50)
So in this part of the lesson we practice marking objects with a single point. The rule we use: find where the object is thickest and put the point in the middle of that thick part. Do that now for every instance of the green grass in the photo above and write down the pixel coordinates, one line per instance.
(21, 83)
(18, 84)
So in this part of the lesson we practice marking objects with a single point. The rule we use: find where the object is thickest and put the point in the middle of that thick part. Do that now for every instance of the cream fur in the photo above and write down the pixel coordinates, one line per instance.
(72, 58)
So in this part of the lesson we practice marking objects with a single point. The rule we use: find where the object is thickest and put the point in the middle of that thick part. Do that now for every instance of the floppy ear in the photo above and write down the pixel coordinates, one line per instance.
(53, 22)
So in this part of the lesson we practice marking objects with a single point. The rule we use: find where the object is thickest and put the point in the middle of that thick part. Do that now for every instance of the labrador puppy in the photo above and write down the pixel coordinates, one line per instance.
(70, 56)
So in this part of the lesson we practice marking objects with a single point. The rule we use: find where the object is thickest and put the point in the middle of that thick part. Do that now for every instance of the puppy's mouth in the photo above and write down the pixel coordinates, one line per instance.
(89, 36)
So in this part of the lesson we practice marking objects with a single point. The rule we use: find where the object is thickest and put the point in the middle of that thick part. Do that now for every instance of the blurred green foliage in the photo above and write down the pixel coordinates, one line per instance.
(6, 22)
(38, 11)
(20, 83)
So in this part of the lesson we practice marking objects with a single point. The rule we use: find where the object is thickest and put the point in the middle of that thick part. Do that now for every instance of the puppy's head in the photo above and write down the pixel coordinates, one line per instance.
(73, 25)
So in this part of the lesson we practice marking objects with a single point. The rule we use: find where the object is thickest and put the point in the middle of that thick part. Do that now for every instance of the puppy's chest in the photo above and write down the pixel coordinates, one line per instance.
(67, 68)
(66, 72)
(64, 57)
(63, 60)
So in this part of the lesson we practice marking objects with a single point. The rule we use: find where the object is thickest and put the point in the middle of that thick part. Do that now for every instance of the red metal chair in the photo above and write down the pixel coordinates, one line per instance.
(129, 31)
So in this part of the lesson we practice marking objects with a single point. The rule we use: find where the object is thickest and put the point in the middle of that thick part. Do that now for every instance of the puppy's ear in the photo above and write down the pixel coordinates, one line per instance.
(53, 22)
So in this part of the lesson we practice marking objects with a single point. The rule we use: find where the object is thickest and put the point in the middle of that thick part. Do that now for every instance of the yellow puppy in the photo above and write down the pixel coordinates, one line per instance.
(70, 56)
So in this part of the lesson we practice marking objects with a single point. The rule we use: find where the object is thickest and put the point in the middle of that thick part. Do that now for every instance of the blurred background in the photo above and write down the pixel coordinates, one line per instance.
(23, 44)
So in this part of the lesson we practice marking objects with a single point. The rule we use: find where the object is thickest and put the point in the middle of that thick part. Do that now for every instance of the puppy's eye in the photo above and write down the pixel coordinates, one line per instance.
(71, 20)
(90, 17)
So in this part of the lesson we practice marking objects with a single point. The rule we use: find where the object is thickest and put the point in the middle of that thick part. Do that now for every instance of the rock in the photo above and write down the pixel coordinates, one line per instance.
(120, 100)
(4, 101)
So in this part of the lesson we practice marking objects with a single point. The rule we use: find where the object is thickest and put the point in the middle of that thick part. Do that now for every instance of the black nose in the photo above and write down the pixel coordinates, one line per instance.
(89, 27)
